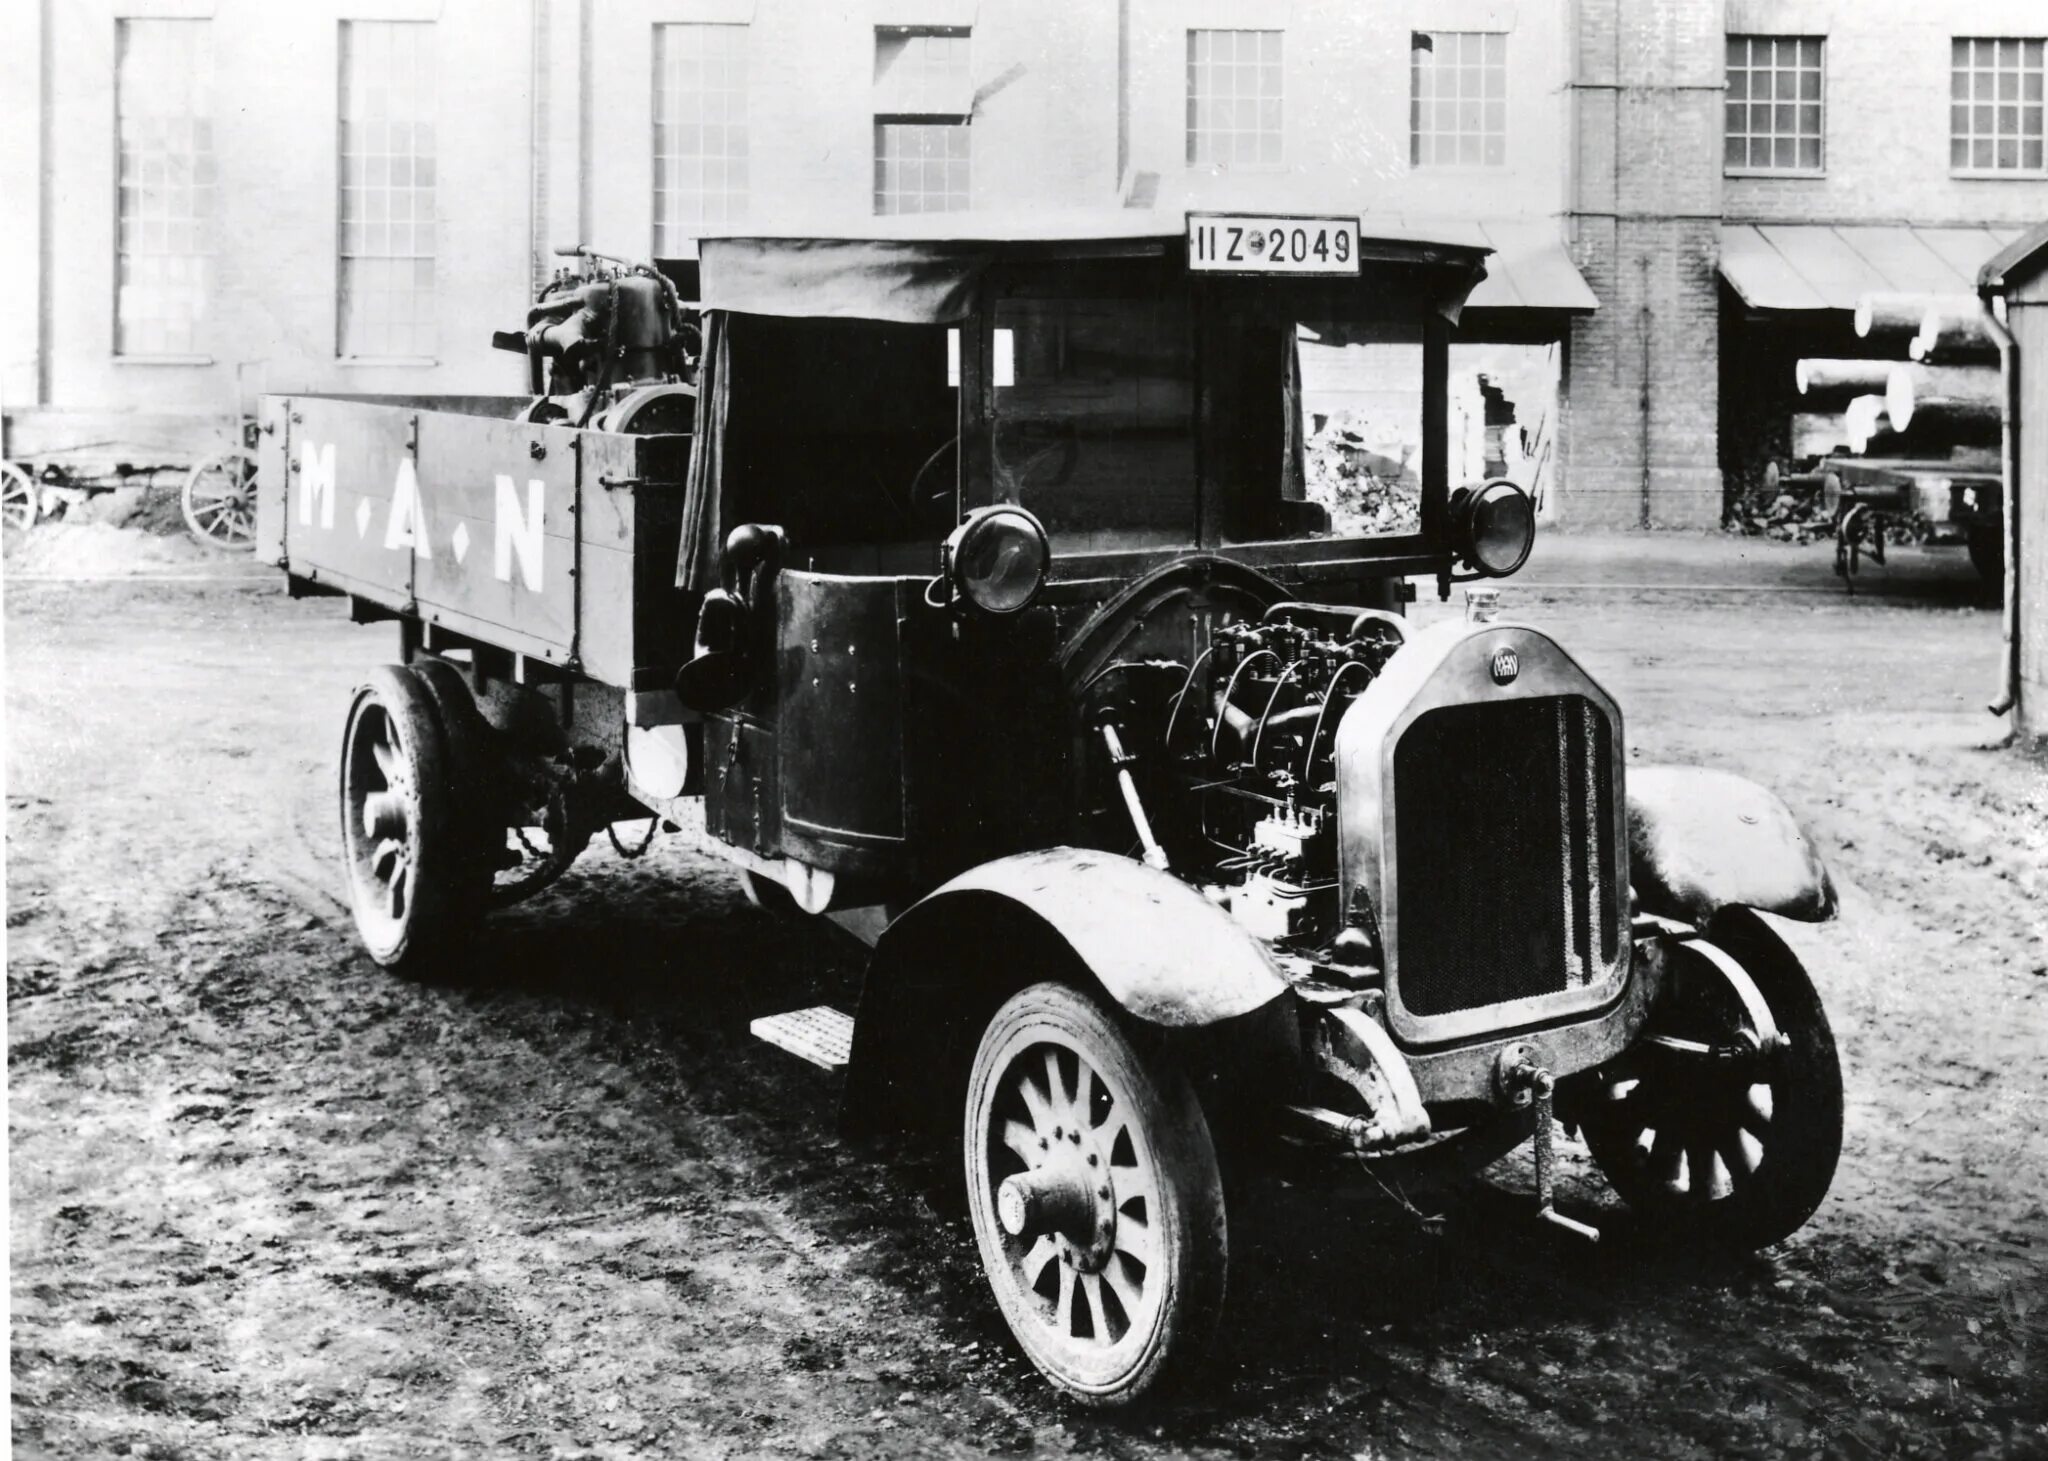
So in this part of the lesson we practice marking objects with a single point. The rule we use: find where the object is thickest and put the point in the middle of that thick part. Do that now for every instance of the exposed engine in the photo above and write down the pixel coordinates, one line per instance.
(601, 340)
(1239, 784)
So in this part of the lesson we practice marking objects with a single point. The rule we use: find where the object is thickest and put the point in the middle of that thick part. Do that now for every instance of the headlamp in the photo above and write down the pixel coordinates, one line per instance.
(998, 559)
(1493, 527)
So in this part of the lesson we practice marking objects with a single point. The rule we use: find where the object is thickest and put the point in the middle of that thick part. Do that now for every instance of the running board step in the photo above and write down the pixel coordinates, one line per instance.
(821, 1034)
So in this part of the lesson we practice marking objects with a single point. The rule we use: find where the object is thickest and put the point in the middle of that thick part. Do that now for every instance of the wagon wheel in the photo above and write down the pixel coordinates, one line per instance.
(220, 501)
(20, 502)
(1701, 1135)
(1096, 1198)
(406, 862)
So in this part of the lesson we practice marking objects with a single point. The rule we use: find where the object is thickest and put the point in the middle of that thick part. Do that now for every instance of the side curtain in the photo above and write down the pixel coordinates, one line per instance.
(1294, 470)
(703, 513)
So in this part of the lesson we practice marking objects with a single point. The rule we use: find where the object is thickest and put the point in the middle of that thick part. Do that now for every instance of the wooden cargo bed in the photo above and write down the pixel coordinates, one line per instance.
(546, 541)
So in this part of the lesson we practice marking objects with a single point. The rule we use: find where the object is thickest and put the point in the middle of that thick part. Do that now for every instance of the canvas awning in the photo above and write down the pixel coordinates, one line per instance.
(1806, 266)
(1530, 269)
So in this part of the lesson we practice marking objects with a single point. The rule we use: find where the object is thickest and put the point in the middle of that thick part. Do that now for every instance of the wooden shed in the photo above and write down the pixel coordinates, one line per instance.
(2018, 276)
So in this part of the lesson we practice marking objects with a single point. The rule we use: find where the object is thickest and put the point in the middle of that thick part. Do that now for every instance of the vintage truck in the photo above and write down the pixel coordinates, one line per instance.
(964, 586)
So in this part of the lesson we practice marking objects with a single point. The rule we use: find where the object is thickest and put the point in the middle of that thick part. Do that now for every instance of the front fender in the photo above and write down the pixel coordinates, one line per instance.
(1702, 840)
(1142, 940)
(1157, 947)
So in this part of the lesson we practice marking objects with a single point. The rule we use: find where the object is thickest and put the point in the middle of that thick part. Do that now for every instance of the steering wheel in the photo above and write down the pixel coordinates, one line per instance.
(950, 444)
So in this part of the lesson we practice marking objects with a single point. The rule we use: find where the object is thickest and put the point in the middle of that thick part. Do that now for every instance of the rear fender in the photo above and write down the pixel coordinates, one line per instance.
(1140, 940)
(1702, 840)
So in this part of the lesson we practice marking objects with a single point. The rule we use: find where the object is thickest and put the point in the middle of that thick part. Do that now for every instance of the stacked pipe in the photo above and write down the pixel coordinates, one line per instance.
(1905, 441)
(1943, 400)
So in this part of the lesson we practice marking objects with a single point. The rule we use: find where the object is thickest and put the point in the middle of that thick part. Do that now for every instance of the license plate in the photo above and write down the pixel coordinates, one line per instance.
(1252, 243)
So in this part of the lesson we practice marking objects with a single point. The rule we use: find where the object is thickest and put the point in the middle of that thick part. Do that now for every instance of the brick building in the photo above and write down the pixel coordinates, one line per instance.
(215, 198)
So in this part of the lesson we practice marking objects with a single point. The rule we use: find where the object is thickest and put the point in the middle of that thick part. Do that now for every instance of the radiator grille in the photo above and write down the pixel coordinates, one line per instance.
(1504, 818)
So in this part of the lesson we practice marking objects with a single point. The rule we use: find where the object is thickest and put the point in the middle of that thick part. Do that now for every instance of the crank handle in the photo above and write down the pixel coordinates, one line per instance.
(1571, 1225)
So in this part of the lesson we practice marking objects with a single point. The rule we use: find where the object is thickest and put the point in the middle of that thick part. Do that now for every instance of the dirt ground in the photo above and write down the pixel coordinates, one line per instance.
(269, 1202)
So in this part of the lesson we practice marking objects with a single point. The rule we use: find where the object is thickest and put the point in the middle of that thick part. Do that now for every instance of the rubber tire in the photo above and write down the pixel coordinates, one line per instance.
(439, 907)
(464, 736)
(1191, 1216)
(1806, 1093)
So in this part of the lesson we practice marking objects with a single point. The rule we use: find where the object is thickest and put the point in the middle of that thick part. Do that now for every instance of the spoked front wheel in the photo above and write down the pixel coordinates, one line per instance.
(1095, 1196)
(1697, 1128)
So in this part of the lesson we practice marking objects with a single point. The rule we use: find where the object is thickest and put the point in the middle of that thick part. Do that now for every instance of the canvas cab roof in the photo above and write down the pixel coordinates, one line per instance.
(927, 268)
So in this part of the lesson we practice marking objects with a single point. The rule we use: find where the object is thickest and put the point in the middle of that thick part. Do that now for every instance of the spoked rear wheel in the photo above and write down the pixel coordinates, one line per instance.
(1096, 1198)
(408, 870)
(1737, 1148)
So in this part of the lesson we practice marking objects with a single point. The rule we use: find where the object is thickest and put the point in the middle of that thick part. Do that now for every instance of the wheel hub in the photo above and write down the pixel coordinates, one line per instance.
(1069, 1194)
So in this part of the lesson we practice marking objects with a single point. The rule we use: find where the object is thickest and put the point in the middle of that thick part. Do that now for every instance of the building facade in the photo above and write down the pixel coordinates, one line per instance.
(1911, 151)
(218, 198)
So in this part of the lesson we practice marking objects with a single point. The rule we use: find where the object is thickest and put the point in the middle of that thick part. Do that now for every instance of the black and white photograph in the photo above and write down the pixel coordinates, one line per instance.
(1043, 728)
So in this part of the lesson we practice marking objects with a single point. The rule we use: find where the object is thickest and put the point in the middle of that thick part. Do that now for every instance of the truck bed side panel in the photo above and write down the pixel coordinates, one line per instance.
(550, 542)
(340, 485)
(497, 559)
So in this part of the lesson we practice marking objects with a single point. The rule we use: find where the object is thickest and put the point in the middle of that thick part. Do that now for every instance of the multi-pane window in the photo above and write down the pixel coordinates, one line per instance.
(1458, 99)
(1234, 117)
(700, 130)
(387, 189)
(1776, 90)
(924, 97)
(164, 106)
(1995, 105)
(921, 167)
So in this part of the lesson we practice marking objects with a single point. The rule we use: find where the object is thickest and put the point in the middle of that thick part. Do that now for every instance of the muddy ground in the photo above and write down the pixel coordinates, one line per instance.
(269, 1202)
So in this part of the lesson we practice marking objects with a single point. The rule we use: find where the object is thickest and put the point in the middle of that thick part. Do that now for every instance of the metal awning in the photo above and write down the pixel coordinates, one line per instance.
(1802, 266)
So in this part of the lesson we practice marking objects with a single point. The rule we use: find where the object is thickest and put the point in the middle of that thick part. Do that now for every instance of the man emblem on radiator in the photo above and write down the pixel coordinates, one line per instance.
(1506, 665)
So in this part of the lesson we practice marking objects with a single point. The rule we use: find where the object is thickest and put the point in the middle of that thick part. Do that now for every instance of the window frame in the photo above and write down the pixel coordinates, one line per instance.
(204, 250)
(1756, 170)
(737, 202)
(2021, 173)
(343, 253)
(1416, 101)
(1190, 130)
(920, 113)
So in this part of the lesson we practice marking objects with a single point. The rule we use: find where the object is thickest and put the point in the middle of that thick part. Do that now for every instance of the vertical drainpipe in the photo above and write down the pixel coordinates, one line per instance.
(45, 223)
(1643, 399)
(537, 178)
(1123, 97)
(585, 86)
(2009, 368)
(1561, 414)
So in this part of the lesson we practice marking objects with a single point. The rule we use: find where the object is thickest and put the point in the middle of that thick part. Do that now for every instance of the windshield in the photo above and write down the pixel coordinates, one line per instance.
(1131, 419)
(1094, 419)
